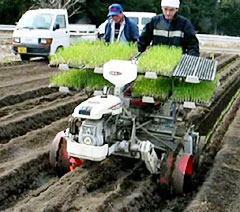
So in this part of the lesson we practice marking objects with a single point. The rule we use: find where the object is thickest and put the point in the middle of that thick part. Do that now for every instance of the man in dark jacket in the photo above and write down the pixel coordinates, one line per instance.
(170, 29)
(119, 27)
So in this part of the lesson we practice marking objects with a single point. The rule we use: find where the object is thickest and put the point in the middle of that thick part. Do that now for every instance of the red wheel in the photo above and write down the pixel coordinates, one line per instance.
(74, 162)
(166, 171)
(54, 149)
(62, 158)
(176, 172)
(182, 174)
(59, 158)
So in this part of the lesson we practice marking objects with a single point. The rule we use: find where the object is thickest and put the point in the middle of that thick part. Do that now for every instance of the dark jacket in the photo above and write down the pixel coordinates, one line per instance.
(179, 32)
(130, 31)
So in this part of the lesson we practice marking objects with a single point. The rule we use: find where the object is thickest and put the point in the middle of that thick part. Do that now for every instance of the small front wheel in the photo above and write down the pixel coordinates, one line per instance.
(59, 158)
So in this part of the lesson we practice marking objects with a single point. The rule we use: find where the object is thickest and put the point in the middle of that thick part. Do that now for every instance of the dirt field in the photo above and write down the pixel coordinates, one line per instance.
(31, 114)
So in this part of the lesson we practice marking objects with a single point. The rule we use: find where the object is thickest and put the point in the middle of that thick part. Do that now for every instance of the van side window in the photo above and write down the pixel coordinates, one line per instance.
(60, 19)
(145, 21)
(134, 20)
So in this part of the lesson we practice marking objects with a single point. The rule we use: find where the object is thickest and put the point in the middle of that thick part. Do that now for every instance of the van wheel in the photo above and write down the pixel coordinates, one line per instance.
(47, 59)
(24, 57)
(60, 48)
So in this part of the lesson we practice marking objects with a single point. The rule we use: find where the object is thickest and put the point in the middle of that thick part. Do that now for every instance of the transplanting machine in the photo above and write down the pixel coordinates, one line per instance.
(115, 123)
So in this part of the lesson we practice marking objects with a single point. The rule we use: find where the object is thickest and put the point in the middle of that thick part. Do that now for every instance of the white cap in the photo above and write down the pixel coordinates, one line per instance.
(170, 3)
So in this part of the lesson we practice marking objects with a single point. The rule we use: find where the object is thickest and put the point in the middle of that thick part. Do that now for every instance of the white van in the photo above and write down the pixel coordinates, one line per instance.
(139, 18)
(41, 33)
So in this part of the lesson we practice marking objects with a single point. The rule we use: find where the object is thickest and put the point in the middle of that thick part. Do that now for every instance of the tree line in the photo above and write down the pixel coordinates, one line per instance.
(211, 16)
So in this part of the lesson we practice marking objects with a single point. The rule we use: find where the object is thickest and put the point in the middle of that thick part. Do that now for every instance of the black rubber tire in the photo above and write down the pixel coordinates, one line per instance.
(60, 48)
(188, 184)
(25, 57)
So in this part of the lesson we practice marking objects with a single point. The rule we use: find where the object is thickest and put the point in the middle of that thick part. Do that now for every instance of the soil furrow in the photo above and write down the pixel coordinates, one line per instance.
(27, 105)
(23, 156)
(12, 113)
(6, 91)
(134, 193)
(19, 82)
(7, 68)
(25, 70)
(17, 150)
(64, 98)
(17, 147)
(29, 176)
(17, 98)
(39, 118)
(25, 78)
(224, 178)
(82, 187)
(225, 59)
(30, 202)
(227, 72)
(222, 97)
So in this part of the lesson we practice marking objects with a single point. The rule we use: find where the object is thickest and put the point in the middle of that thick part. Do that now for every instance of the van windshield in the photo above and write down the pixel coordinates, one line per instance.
(35, 21)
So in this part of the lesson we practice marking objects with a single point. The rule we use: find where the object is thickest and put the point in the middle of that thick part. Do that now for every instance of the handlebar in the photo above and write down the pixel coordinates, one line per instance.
(135, 57)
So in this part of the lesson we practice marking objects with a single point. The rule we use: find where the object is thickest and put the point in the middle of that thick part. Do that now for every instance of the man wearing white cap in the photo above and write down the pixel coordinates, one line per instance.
(170, 29)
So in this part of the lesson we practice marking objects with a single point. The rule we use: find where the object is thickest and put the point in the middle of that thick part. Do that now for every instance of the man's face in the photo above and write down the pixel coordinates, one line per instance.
(169, 12)
(118, 18)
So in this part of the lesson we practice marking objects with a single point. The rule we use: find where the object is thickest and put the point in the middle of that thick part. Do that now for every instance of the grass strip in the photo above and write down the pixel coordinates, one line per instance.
(160, 59)
(158, 88)
(79, 79)
(200, 92)
(93, 53)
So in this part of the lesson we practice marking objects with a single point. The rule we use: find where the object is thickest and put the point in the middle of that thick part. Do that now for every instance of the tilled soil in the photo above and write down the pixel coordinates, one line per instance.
(31, 113)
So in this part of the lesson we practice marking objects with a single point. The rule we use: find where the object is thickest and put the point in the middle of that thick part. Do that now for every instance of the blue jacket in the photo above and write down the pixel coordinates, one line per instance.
(130, 31)
(179, 32)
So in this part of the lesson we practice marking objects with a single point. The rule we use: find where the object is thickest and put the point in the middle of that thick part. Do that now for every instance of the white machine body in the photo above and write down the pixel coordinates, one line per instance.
(96, 107)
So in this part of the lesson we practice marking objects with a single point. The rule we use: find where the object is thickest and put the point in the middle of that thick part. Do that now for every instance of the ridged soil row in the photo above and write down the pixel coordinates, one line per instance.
(33, 119)
(225, 59)
(18, 110)
(223, 95)
(220, 189)
(85, 189)
(8, 102)
(24, 164)
(26, 77)
(25, 67)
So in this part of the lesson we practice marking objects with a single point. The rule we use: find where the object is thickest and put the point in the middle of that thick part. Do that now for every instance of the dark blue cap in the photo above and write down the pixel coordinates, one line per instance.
(114, 9)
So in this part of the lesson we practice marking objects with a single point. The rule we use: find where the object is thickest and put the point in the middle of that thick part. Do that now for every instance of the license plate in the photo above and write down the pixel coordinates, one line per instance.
(22, 50)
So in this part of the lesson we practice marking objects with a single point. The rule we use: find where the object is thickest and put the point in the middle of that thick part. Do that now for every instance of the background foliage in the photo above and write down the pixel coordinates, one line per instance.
(211, 16)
